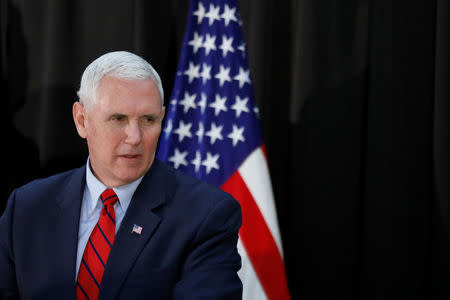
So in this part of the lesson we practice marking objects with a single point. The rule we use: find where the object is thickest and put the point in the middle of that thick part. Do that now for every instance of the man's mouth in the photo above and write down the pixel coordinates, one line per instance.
(130, 155)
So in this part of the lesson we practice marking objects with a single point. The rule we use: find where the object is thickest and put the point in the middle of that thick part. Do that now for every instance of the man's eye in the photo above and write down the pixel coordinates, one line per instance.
(118, 118)
(149, 119)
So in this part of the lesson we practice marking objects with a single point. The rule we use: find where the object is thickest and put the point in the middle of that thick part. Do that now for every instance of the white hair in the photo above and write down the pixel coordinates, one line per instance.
(117, 64)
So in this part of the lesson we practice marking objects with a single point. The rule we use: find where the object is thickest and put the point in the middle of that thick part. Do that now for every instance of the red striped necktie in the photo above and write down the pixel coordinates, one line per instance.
(97, 249)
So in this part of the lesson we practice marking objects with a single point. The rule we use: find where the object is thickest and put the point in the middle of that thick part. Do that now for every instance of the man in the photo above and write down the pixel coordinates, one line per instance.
(125, 225)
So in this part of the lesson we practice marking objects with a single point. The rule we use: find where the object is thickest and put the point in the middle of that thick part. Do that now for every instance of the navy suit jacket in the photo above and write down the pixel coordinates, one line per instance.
(187, 249)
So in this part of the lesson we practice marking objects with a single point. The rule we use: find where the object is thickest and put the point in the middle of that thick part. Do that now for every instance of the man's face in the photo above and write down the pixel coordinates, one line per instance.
(122, 129)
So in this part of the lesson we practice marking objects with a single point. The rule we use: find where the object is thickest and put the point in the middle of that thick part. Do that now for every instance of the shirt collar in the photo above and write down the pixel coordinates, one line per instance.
(96, 188)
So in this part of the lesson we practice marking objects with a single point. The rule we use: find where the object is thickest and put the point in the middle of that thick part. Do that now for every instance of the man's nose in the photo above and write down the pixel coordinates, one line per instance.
(133, 133)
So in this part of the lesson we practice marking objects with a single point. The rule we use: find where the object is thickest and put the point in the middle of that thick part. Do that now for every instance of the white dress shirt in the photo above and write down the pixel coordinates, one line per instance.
(91, 206)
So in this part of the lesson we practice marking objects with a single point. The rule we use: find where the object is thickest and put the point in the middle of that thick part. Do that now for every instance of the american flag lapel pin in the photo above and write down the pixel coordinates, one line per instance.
(136, 229)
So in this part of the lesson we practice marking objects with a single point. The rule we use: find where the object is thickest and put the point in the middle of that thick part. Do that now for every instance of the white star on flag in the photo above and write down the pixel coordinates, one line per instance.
(210, 162)
(200, 12)
(209, 43)
(196, 42)
(223, 75)
(168, 129)
(200, 132)
(206, 73)
(202, 103)
(173, 104)
(240, 105)
(226, 45)
(188, 102)
(229, 15)
(197, 161)
(213, 14)
(243, 77)
(219, 105)
(215, 133)
(179, 158)
(193, 71)
(237, 135)
(256, 111)
(183, 130)
(241, 48)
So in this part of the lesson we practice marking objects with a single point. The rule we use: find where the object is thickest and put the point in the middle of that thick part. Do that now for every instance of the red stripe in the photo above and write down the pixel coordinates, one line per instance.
(93, 263)
(100, 244)
(263, 149)
(88, 284)
(258, 241)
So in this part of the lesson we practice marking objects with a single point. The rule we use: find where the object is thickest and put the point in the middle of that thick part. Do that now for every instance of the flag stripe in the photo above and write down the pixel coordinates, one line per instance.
(258, 241)
(263, 148)
(252, 288)
(255, 173)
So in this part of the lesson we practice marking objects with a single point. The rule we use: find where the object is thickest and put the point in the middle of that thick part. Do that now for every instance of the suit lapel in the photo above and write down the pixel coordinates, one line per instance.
(128, 245)
(65, 235)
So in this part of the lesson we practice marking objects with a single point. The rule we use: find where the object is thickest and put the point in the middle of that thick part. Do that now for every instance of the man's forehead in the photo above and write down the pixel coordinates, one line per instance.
(122, 91)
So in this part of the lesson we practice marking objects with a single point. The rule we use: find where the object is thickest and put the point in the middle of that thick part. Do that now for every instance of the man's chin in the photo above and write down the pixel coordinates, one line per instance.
(128, 175)
(123, 180)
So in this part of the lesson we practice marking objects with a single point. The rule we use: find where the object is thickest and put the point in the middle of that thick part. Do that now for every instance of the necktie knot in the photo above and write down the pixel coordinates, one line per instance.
(109, 197)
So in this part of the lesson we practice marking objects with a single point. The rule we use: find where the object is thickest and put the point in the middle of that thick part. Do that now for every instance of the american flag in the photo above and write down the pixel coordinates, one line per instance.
(212, 131)
(137, 229)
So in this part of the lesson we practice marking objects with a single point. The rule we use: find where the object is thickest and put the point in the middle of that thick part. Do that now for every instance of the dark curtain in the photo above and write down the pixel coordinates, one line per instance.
(368, 187)
(354, 104)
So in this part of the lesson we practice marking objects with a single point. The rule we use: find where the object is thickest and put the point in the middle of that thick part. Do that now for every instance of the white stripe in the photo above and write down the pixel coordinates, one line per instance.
(252, 288)
(255, 173)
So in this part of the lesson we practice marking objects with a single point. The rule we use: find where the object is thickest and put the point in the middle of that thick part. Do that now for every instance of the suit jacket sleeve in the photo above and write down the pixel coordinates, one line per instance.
(8, 284)
(210, 269)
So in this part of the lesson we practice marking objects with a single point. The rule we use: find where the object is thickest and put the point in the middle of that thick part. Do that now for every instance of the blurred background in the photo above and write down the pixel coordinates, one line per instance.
(354, 105)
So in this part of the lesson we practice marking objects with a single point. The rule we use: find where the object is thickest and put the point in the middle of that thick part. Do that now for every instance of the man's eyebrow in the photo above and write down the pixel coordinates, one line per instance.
(116, 115)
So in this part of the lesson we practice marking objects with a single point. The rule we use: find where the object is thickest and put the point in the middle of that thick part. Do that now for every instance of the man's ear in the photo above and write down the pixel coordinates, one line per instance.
(80, 118)
(163, 112)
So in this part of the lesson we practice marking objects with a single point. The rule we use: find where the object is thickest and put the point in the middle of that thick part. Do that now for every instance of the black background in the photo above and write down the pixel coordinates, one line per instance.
(353, 98)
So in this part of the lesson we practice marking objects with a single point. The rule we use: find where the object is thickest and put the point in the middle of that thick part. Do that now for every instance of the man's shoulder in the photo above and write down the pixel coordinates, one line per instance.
(192, 191)
(49, 185)
(183, 181)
